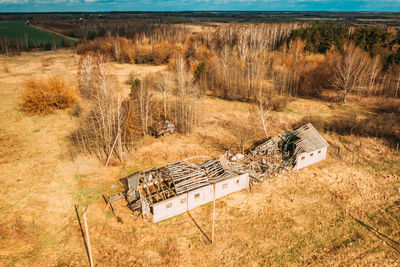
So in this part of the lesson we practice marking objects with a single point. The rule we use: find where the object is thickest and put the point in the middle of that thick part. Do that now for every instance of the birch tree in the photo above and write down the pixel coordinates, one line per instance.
(350, 71)
(186, 113)
(376, 68)
(163, 84)
(263, 109)
(144, 95)
(99, 132)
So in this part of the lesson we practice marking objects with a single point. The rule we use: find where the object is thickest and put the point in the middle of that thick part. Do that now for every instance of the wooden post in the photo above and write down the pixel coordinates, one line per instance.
(213, 219)
(87, 236)
(112, 148)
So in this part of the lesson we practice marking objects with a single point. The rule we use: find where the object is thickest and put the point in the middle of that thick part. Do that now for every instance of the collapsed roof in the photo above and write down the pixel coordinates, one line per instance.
(265, 158)
(306, 138)
(174, 179)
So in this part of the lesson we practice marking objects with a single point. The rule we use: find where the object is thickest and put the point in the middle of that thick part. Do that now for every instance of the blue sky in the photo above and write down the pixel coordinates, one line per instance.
(197, 5)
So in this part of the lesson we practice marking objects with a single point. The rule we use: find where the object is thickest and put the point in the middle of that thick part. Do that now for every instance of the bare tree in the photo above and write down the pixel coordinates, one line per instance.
(116, 48)
(263, 109)
(144, 95)
(243, 132)
(350, 70)
(163, 84)
(99, 132)
(376, 68)
(86, 81)
(397, 84)
(186, 114)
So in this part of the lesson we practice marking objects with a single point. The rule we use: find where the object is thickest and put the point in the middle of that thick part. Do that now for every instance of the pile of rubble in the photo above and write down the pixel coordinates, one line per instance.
(267, 157)
(146, 188)
(164, 128)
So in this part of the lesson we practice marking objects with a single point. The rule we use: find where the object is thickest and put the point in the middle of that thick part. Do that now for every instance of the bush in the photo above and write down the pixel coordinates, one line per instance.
(313, 81)
(278, 103)
(132, 77)
(45, 96)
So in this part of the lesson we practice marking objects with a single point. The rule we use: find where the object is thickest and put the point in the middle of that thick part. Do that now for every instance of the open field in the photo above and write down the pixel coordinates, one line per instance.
(17, 29)
(301, 218)
(61, 20)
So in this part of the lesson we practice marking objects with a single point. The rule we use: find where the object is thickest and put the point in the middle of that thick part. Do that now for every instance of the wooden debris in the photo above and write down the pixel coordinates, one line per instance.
(266, 158)
(166, 128)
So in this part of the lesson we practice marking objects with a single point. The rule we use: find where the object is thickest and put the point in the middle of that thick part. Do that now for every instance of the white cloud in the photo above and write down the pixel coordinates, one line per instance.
(13, 1)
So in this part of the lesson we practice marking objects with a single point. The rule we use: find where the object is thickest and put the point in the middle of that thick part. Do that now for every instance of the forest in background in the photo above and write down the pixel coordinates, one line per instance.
(263, 64)
(299, 59)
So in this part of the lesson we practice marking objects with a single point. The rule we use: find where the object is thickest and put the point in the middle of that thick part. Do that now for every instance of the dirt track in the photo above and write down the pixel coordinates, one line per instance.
(57, 34)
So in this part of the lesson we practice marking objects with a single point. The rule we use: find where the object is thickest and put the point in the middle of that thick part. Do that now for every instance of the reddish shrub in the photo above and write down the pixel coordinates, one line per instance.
(45, 96)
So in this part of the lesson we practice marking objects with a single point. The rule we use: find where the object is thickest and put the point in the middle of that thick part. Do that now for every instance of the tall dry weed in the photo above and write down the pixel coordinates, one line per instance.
(43, 96)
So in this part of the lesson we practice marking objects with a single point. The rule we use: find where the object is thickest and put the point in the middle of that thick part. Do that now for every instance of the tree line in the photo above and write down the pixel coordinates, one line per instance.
(261, 63)
(236, 61)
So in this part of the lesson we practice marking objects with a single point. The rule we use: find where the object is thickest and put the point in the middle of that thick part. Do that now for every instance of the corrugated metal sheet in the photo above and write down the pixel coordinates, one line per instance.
(308, 138)
(186, 176)
(215, 171)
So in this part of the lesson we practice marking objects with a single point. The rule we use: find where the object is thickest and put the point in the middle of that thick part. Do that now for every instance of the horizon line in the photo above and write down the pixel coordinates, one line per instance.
(204, 11)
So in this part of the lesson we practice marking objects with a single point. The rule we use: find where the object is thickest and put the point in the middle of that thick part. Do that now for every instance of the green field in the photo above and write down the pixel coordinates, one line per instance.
(17, 30)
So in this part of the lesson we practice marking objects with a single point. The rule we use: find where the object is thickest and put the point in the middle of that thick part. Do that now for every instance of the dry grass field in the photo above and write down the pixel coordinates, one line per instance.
(303, 218)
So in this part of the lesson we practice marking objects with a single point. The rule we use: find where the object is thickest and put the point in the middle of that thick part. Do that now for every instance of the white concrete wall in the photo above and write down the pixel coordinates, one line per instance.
(199, 196)
(231, 185)
(182, 203)
(169, 208)
(307, 159)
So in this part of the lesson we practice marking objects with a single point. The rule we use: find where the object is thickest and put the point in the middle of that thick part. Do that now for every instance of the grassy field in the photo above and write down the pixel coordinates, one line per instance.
(17, 29)
(305, 217)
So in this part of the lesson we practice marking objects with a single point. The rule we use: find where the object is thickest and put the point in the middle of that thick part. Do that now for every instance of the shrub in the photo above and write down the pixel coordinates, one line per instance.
(45, 96)
(162, 52)
(314, 80)
(278, 103)
(132, 79)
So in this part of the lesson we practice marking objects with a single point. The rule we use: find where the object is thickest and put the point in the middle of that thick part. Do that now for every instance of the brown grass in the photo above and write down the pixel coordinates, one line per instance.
(377, 125)
(11, 146)
(6, 68)
(382, 105)
(292, 220)
(45, 96)
(278, 103)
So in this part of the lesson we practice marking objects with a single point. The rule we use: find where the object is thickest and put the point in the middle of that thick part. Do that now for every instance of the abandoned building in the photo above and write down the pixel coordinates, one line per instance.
(179, 187)
(164, 192)
(311, 146)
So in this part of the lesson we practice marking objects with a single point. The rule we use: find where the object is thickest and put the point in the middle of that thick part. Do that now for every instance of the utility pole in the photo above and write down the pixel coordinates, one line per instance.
(213, 219)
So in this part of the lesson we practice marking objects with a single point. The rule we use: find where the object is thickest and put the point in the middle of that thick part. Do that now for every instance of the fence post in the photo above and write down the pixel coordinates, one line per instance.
(87, 236)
